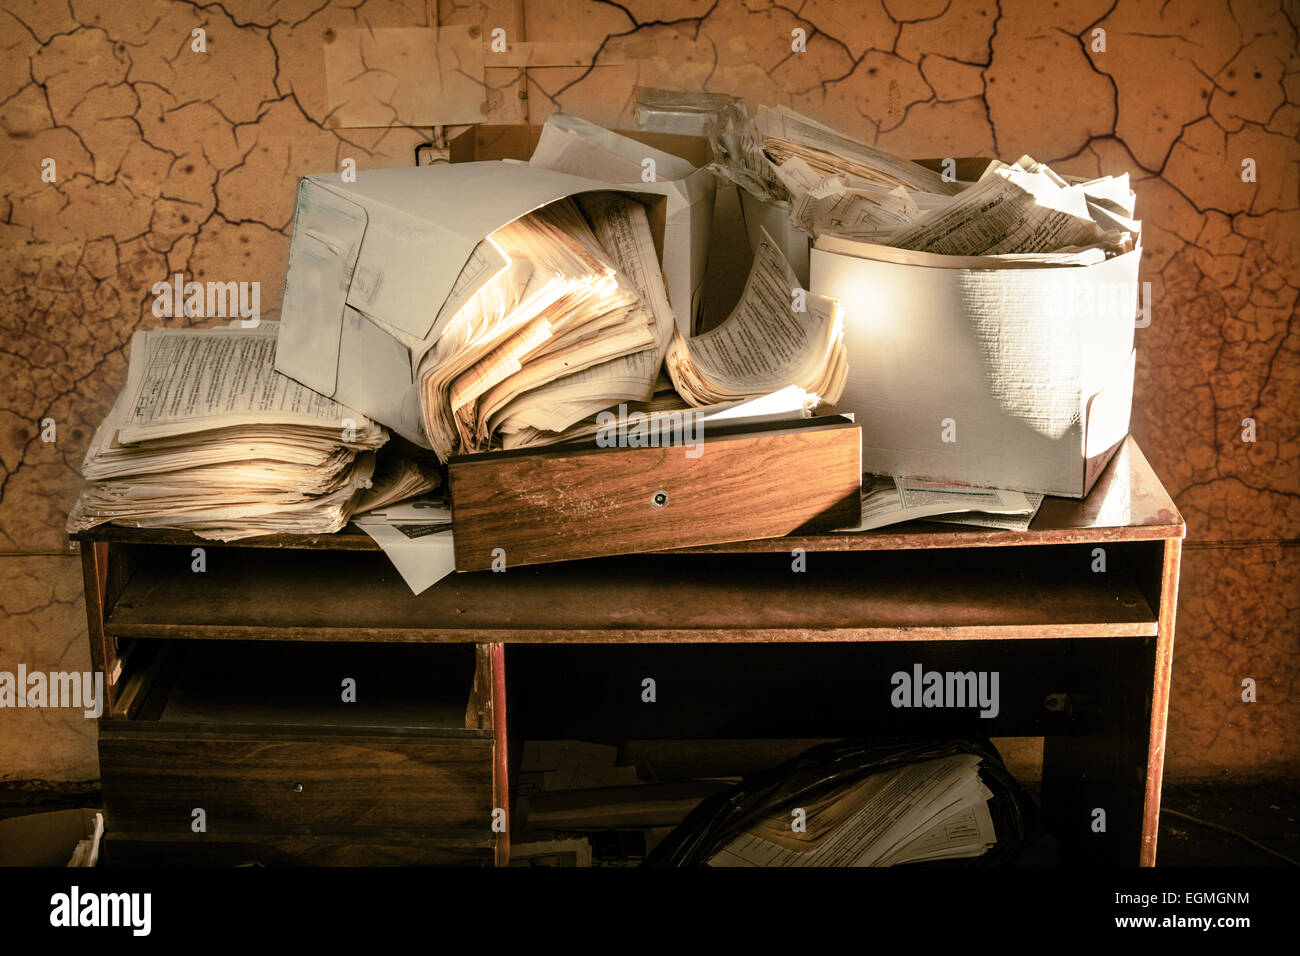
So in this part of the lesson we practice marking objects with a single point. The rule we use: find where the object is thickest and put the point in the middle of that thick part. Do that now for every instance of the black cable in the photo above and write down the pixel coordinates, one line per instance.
(1231, 832)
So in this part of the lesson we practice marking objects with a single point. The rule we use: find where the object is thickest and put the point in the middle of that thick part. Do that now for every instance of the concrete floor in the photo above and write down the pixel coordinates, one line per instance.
(1266, 811)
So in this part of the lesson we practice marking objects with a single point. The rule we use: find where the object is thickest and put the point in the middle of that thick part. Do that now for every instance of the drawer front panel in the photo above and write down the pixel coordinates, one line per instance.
(294, 850)
(281, 779)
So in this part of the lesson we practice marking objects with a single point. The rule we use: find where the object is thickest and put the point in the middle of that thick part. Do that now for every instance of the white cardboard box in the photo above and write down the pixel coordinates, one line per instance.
(383, 253)
(1029, 371)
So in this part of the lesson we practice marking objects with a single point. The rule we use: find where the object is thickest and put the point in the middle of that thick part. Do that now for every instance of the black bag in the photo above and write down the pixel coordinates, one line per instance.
(720, 819)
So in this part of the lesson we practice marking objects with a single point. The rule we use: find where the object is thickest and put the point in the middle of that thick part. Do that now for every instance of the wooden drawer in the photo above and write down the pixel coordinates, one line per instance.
(259, 738)
(454, 848)
(289, 777)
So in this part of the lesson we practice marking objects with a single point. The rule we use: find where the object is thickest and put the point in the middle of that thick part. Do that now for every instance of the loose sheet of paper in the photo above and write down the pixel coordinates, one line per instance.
(417, 537)
(191, 379)
(1005, 522)
(570, 144)
(887, 501)
(778, 335)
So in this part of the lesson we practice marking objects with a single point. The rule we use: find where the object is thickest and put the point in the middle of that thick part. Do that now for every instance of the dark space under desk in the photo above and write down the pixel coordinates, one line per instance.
(224, 686)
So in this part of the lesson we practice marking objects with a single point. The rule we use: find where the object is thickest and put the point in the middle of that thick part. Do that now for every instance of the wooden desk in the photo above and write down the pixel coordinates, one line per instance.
(743, 646)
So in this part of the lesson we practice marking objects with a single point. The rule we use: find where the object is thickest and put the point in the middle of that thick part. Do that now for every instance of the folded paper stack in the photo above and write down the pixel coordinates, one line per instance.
(208, 437)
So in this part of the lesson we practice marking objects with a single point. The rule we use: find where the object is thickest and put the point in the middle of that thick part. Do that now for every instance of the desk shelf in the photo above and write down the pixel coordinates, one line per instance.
(865, 596)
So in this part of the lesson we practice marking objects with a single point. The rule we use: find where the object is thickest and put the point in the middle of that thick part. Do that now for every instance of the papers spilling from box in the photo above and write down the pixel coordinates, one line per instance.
(375, 269)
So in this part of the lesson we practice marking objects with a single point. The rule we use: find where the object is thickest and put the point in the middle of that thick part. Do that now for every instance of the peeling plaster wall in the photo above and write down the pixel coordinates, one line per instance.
(171, 161)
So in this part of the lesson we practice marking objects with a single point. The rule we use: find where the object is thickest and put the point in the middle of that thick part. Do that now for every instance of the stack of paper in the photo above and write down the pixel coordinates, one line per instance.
(934, 810)
(890, 500)
(208, 437)
(397, 478)
(838, 187)
(549, 331)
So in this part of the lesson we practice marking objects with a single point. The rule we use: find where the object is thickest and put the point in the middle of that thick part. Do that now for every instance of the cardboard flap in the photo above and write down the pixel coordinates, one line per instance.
(327, 235)
(425, 222)
(374, 371)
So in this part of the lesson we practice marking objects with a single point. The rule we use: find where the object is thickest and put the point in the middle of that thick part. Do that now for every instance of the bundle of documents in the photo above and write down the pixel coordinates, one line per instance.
(778, 335)
(549, 331)
(1019, 214)
(933, 810)
(208, 437)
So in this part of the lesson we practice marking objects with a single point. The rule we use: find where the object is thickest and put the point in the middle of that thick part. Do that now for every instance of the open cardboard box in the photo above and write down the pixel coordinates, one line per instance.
(1037, 399)
(374, 263)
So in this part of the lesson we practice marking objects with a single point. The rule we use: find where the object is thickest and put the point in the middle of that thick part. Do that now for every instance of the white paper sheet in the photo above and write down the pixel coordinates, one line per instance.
(417, 537)
(890, 500)
(900, 806)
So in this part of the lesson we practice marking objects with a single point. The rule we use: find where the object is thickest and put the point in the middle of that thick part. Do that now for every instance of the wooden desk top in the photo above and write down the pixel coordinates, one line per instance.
(1128, 503)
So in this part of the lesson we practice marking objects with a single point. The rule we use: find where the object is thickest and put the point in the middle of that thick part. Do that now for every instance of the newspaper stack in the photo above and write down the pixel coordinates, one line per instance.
(933, 810)
(839, 188)
(208, 437)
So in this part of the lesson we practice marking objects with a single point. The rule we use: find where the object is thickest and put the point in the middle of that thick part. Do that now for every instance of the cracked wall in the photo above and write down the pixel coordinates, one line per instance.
(172, 161)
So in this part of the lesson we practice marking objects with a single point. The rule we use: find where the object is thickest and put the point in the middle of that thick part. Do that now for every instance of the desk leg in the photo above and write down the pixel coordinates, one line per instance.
(1117, 767)
(500, 750)
(1094, 777)
(103, 650)
(1164, 664)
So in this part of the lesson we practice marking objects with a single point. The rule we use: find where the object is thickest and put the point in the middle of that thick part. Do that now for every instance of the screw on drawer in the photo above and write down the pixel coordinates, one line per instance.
(297, 788)
(659, 499)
